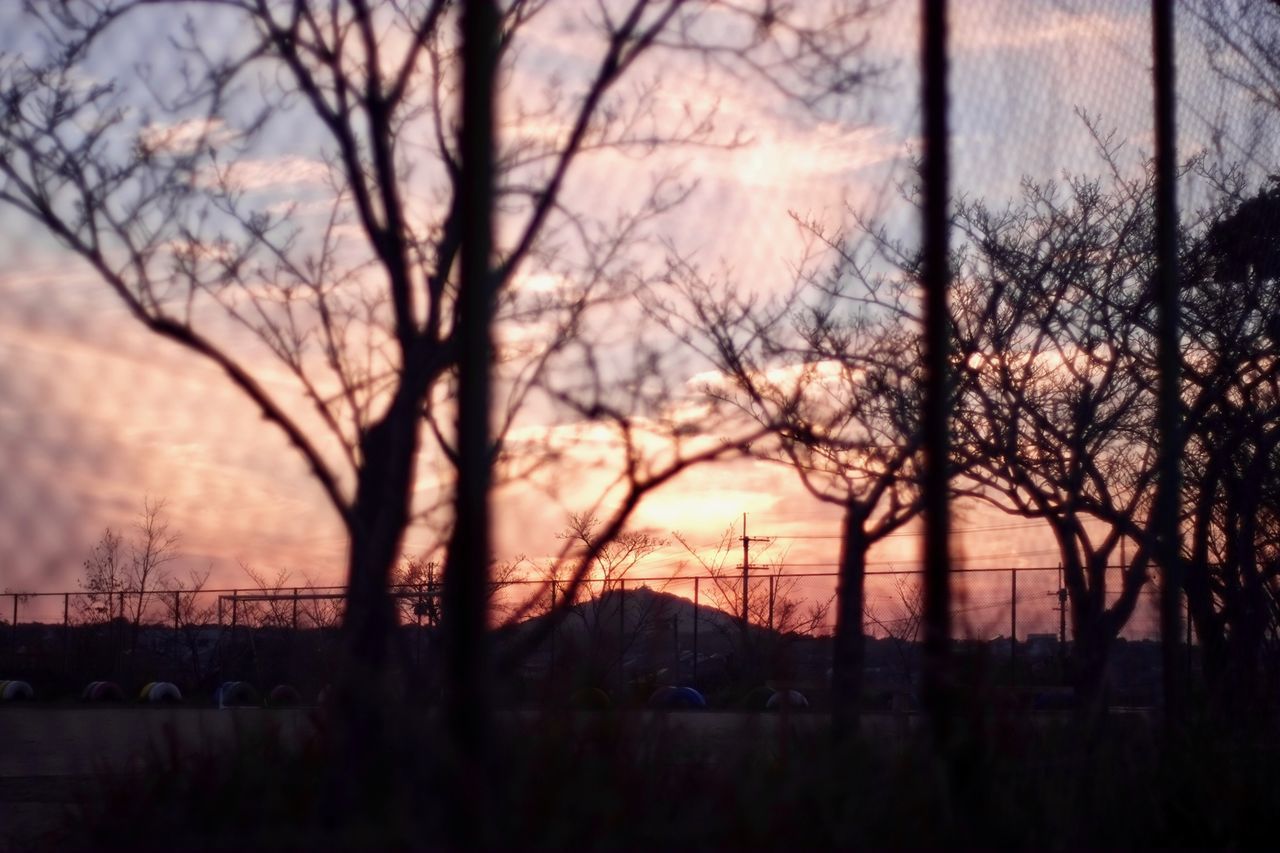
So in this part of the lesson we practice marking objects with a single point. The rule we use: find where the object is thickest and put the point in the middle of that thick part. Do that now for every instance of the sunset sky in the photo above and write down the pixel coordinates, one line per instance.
(95, 413)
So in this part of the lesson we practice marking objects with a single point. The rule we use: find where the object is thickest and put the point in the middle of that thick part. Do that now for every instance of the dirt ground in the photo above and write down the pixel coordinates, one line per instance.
(49, 756)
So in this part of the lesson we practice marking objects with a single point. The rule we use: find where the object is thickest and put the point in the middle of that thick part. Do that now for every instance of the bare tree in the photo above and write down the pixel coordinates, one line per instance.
(104, 579)
(274, 607)
(1230, 315)
(1054, 328)
(123, 576)
(832, 372)
(615, 559)
(776, 610)
(600, 601)
(321, 610)
(1243, 46)
(417, 580)
(1232, 397)
(440, 155)
(154, 547)
(902, 629)
(193, 617)
(355, 291)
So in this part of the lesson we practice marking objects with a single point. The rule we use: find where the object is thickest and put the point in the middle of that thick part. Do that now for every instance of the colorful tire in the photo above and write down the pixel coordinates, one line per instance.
(16, 691)
(688, 697)
(163, 693)
(790, 699)
(591, 698)
(758, 699)
(103, 691)
(237, 694)
(673, 698)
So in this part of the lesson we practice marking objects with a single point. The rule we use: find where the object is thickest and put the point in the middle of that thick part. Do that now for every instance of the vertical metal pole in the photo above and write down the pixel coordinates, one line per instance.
(1168, 425)
(746, 562)
(66, 631)
(1013, 626)
(1062, 622)
(936, 404)
(695, 630)
(235, 600)
(554, 632)
(177, 635)
(773, 585)
(465, 603)
(13, 630)
(295, 609)
(1187, 616)
(675, 642)
(1189, 649)
(622, 629)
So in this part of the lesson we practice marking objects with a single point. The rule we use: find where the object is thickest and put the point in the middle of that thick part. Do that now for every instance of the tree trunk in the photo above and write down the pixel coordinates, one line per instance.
(849, 646)
(366, 695)
(1089, 660)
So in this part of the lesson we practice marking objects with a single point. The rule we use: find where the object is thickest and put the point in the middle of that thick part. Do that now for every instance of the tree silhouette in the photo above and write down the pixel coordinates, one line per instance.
(831, 371)
(1052, 320)
(1232, 321)
(123, 577)
(372, 283)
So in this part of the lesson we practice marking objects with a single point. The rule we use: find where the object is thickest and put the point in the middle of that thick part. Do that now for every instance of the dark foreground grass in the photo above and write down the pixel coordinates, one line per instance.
(633, 781)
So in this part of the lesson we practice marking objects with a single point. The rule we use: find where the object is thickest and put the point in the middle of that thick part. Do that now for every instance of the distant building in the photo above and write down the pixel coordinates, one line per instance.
(1042, 645)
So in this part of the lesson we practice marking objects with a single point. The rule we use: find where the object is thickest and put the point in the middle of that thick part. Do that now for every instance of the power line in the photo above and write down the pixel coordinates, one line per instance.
(915, 533)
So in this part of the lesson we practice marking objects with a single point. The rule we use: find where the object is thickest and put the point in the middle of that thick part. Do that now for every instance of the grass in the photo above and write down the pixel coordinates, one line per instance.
(602, 780)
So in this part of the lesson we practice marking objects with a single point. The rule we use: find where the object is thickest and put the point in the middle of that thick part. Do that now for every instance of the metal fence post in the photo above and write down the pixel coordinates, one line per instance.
(622, 631)
(695, 630)
(551, 668)
(66, 632)
(675, 643)
(773, 585)
(1187, 685)
(1013, 627)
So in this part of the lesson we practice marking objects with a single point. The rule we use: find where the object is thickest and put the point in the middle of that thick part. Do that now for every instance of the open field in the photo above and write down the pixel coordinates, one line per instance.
(580, 777)
(50, 756)
(43, 741)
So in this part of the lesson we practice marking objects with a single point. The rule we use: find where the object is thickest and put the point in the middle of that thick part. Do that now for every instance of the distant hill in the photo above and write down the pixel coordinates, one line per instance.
(644, 610)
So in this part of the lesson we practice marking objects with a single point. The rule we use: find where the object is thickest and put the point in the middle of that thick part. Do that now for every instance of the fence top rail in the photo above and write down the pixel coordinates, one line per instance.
(730, 575)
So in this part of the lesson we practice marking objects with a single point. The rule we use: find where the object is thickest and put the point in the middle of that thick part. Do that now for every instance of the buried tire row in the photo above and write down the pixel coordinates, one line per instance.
(230, 694)
(242, 694)
(677, 698)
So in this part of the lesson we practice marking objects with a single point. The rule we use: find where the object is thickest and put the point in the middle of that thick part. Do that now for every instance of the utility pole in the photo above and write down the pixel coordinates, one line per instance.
(746, 569)
(1062, 619)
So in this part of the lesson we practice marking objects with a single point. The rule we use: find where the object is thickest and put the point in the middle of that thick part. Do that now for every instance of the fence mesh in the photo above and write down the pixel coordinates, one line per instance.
(1051, 137)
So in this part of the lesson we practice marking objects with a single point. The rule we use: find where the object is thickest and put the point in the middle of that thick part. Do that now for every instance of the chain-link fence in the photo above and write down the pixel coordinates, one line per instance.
(623, 344)
(628, 635)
